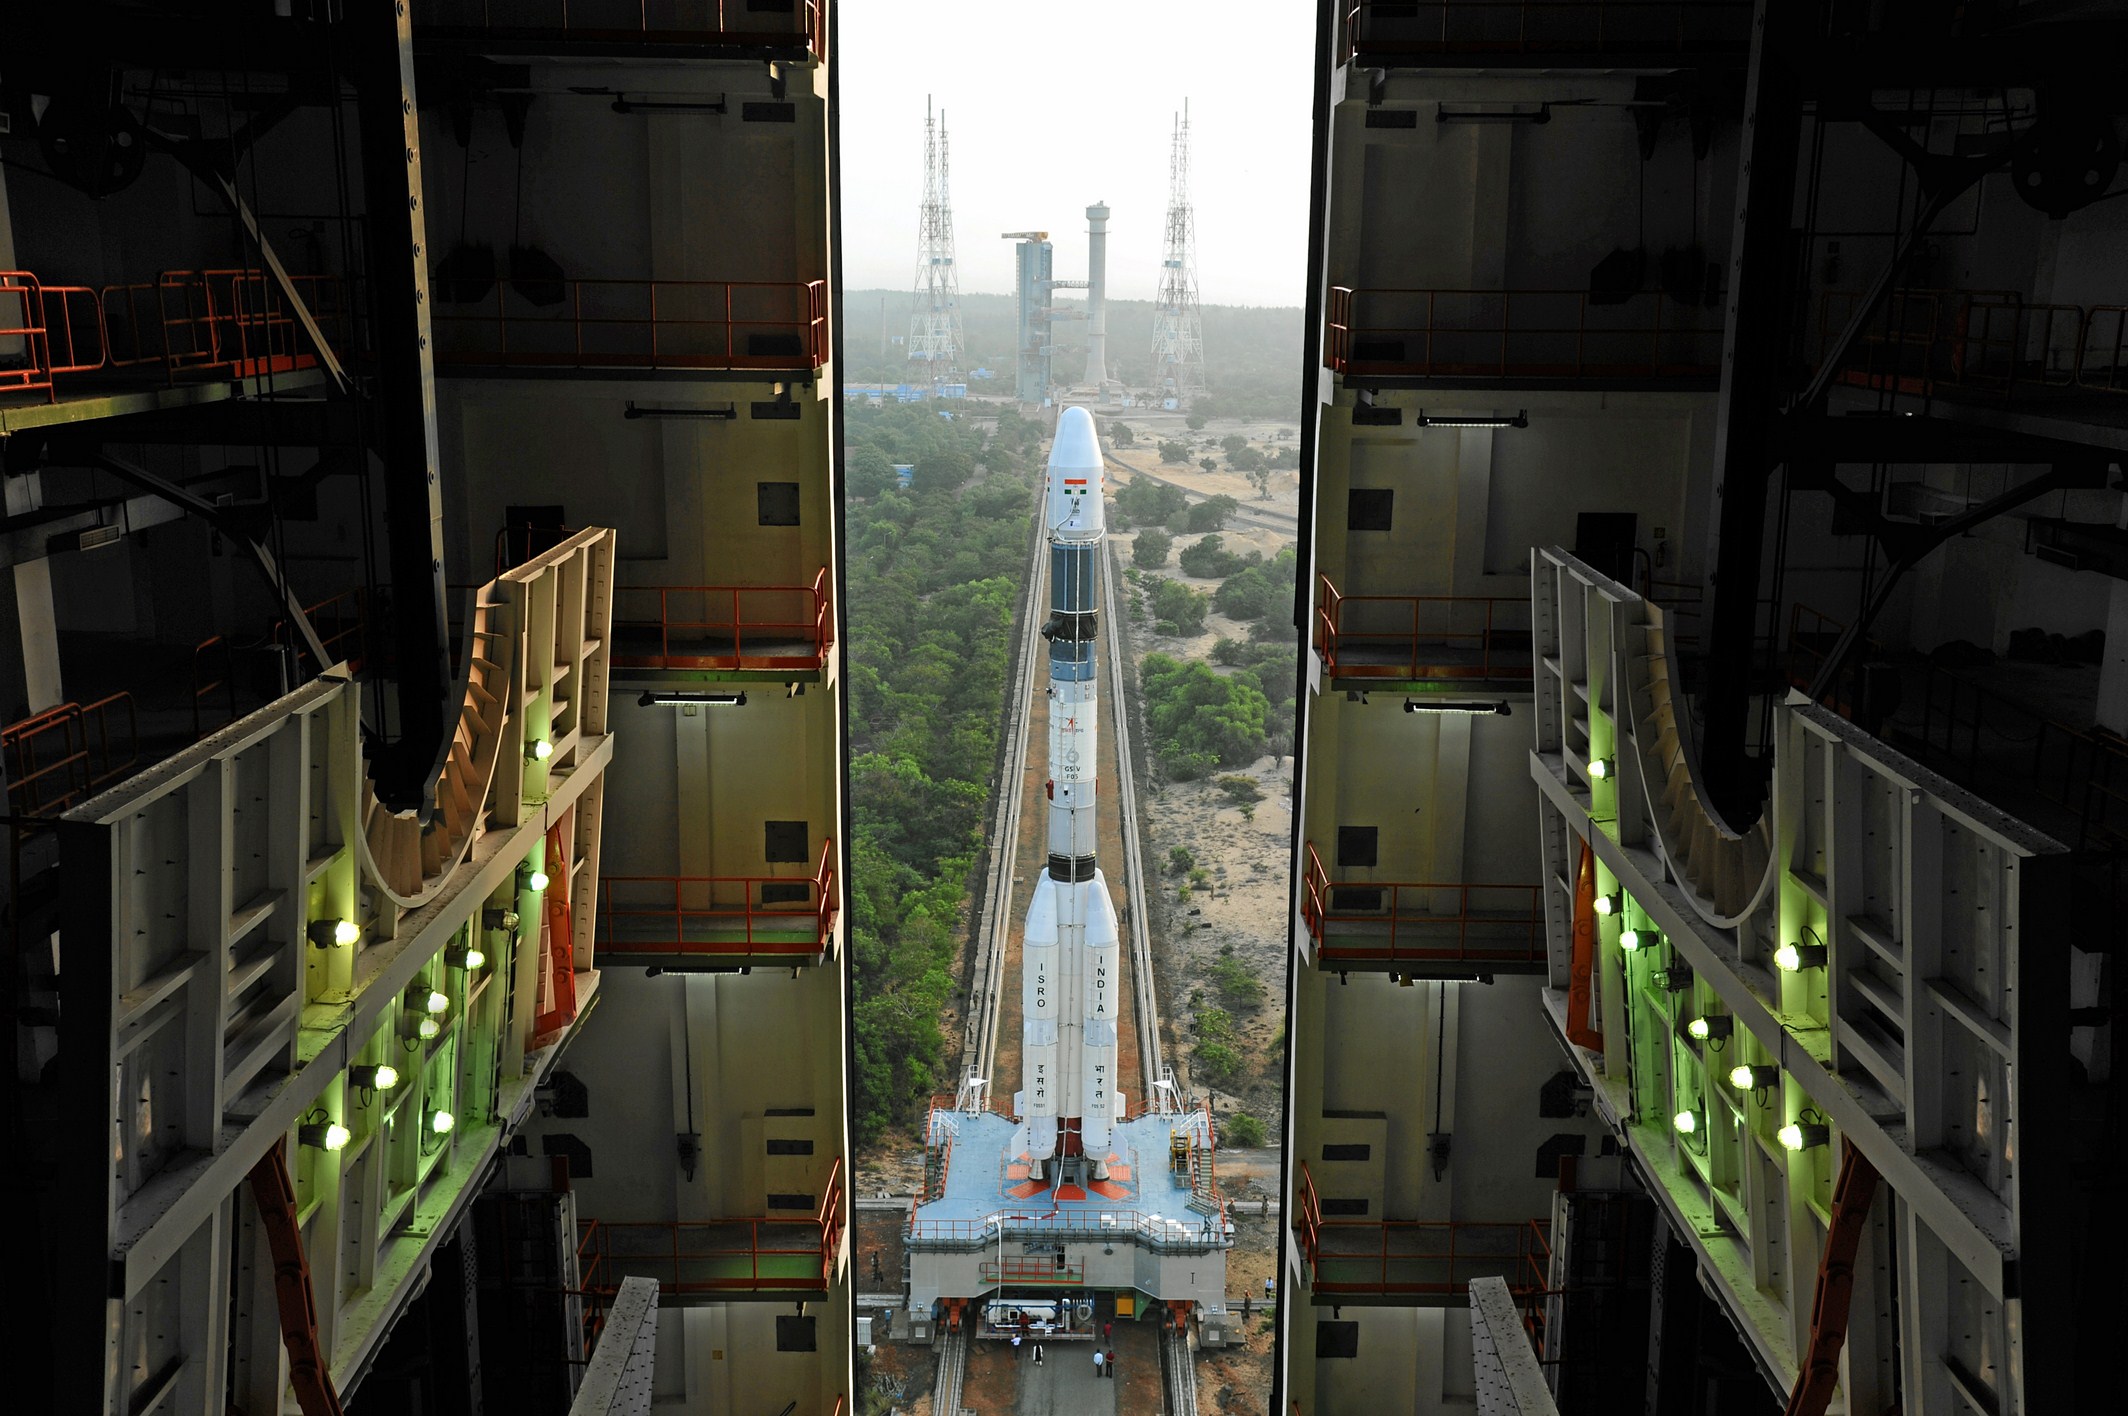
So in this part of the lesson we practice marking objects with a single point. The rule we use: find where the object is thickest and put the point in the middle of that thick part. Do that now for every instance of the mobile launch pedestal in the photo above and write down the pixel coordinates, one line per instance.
(1029, 1221)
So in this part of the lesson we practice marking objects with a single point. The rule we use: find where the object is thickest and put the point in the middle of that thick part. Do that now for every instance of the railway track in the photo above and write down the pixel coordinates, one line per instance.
(952, 1369)
(1178, 1371)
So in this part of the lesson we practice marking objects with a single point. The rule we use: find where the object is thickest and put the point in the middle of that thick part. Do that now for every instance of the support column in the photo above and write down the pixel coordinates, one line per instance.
(36, 679)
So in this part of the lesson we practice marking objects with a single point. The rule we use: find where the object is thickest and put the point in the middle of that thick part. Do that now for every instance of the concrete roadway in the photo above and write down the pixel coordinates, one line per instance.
(1065, 1384)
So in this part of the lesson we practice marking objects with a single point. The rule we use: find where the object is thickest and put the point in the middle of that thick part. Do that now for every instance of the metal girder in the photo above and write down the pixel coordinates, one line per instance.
(403, 407)
(241, 524)
(1813, 436)
(1760, 276)
(2082, 52)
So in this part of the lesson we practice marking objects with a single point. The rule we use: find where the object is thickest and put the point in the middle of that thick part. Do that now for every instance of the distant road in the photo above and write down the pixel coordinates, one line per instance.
(1269, 519)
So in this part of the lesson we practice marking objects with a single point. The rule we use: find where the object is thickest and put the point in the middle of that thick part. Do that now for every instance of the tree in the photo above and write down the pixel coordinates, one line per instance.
(1232, 443)
(1211, 514)
(1177, 605)
(944, 470)
(1208, 464)
(1209, 559)
(1150, 547)
(1247, 459)
(1196, 421)
(1121, 435)
(871, 472)
(1150, 503)
(1174, 454)
(1180, 859)
(1241, 791)
(1200, 719)
(1247, 594)
(1245, 1132)
(1260, 479)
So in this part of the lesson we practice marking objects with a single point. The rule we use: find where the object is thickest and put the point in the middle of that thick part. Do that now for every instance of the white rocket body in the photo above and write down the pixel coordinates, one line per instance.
(1071, 986)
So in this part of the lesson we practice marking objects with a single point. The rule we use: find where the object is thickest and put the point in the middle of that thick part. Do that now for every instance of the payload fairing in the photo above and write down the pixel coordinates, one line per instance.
(1071, 965)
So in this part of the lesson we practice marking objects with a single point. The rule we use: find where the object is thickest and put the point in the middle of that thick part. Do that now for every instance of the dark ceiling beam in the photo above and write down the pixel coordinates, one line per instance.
(403, 406)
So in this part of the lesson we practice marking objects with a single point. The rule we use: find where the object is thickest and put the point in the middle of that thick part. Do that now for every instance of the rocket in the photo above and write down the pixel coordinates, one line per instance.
(1070, 981)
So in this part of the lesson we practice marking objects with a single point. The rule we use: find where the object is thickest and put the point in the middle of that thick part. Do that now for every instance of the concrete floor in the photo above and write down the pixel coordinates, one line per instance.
(1065, 1384)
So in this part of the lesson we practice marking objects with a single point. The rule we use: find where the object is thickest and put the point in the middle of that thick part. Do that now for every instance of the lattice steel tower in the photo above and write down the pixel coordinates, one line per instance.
(935, 322)
(1178, 333)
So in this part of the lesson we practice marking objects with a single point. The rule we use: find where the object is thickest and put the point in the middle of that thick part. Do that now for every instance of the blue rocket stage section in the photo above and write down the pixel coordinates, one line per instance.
(1071, 984)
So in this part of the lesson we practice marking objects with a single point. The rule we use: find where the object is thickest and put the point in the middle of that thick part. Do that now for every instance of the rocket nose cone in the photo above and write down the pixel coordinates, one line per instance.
(1077, 446)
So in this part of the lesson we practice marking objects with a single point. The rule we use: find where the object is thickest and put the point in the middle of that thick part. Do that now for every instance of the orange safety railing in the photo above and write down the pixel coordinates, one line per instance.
(682, 914)
(1032, 1269)
(1413, 1257)
(725, 626)
(678, 22)
(46, 330)
(219, 323)
(1491, 924)
(1421, 636)
(644, 324)
(337, 620)
(719, 1255)
(63, 755)
(1389, 28)
(1509, 334)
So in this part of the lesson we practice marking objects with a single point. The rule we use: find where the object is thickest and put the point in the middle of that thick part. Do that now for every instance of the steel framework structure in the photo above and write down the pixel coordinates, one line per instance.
(1178, 332)
(935, 319)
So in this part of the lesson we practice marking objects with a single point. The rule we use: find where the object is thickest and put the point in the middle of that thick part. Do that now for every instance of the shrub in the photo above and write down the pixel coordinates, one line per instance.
(1217, 1064)
(1178, 604)
(1210, 514)
(1240, 790)
(1247, 594)
(1235, 980)
(1196, 421)
(1121, 435)
(1232, 443)
(1209, 559)
(1175, 453)
(1245, 1131)
(1150, 547)
(1180, 859)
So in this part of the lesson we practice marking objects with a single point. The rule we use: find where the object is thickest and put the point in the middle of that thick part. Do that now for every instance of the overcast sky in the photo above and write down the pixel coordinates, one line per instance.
(1052, 107)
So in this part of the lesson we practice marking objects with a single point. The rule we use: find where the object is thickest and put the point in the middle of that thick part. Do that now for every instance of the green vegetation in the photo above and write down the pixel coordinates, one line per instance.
(1217, 1064)
(936, 574)
(1245, 1131)
(1149, 548)
(1180, 859)
(1209, 559)
(1241, 987)
(1177, 453)
(1201, 719)
(1241, 791)
(1178, 609)
(1120, 435)
(1232, 443)
(1143, 502)
(1210, 514)
(1197, 418)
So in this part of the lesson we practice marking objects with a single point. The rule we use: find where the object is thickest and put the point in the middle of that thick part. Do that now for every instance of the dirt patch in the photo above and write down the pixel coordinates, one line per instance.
(876, 1250)
(901, 1377)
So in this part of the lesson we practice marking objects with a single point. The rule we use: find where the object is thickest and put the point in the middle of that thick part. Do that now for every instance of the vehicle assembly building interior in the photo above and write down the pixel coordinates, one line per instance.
(425, 725)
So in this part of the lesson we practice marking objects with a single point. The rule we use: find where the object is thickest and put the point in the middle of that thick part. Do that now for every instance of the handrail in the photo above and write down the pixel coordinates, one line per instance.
(1333, 635)
(1157, 1231)
(1320, 914)
(82, 766)
(1517, 1244)
(804, 614)
(645, 324)
(750, 918)
(1533, 333)
(35, 325)
(213, 648)
(811, 26)
(223, 322)
(1562, 26)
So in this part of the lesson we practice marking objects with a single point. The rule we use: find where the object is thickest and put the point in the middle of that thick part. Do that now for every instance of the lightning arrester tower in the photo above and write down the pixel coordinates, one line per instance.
(1178, 333)
(935, 323)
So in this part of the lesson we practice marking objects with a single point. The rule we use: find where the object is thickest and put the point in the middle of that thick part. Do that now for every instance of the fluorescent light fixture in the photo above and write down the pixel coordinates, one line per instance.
(461, 956)
(653, 697)
(378, 1078)
(1610, 904)
(1473, 420)
(324, 1135)
(541, 750)
(1542, 113)
(1601, 768)
(1716, 1028)
(1802, 1135)
(1794, 958)
(1748, 1077)
(332, 933)
(721, 413)
(1458, 705)
(1686, 1122)
(537, 881)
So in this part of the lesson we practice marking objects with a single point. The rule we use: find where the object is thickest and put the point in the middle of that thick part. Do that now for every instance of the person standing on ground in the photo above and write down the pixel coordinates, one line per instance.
(1111, 1366)
(1038, 1354)
(1100, 1363)
(1015, 1344)
(1108, 1330)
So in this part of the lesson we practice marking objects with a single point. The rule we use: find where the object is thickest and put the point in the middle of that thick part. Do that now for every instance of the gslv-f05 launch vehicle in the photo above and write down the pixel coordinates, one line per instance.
(1071, 983)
